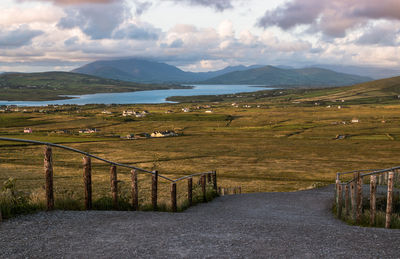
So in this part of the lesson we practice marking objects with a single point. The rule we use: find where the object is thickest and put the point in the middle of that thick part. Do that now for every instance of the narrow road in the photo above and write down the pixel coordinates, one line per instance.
(261, 225)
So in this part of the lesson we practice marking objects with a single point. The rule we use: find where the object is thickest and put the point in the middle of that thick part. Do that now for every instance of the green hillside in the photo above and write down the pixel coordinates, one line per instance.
(50, 85)
(270, 75)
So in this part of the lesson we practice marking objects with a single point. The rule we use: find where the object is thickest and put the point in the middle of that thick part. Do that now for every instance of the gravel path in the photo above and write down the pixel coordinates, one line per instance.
(297, 224)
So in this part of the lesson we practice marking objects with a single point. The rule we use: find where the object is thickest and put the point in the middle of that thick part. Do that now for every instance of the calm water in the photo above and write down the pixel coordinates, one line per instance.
(155, 96)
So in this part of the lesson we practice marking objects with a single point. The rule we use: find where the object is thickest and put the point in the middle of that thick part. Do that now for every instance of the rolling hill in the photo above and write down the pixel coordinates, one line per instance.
(379, 91)
(50, 85)
(145, 71)
(270, 75)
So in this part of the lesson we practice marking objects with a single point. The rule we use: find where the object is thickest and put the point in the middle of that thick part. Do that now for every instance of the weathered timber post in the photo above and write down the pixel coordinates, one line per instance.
(214, 176)
(381, 179)
(190, 191)
(135, 191)
(386, 178)
(203, 187)
(353, 199)
(346, 199)
(359, 197)
(173, 198)
(372, 199)
(154, 190)
(114, 186)
(336, 189)
(87, 179)
(389, 205)
(48, 169)
(340, 201)
(337, 192)
(209, 178)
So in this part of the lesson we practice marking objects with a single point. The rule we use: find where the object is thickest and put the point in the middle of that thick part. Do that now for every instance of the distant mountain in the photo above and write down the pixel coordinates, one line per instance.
(145, 71)
(269, 75)
(369, 71)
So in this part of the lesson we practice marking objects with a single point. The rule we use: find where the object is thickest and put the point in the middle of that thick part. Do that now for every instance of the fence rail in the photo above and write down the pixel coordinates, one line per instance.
(353, 192)
(87, 175)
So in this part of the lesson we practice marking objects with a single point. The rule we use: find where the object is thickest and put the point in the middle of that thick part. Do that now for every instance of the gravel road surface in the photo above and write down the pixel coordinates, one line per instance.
(261, 225)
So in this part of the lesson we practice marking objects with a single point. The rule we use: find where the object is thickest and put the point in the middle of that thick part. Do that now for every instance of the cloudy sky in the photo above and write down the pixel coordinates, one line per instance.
(198, 35)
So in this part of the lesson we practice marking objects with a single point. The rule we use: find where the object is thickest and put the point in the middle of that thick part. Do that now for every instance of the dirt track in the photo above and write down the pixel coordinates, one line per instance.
(297, 224)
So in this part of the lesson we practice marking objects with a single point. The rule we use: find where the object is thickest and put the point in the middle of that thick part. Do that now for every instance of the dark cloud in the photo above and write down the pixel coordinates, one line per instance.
(333, 17)
(142, 7)
(219, 5)
(178, 43)
(71, 41)
(383, 35)
(19, 37)
(132, 31)
(97, 21)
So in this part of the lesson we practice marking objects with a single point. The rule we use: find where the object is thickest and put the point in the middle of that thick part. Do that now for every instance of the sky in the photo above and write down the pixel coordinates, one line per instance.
(198, 35)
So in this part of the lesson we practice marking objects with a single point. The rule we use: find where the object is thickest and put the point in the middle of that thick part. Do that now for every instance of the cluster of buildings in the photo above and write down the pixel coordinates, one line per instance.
(155, 134)
(87, 131)
(135, 114)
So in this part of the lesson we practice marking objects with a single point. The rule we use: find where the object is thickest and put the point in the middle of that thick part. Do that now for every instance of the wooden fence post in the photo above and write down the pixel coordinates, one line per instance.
(340, 201)
(372, 199)
(87, 179)
(359, 197)
(173, 198)
(346, 199)
(135, 191)
(353, 199)
(381, 179)
(48, 169)
(114, 186)
(203, 187)
(209, 178)
(154, 190)
(214, 176)
(190, 191)
(337, 192)
(389, 200)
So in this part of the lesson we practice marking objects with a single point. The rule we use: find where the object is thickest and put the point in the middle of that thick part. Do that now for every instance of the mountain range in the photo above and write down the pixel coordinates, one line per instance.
(270, 75)
(146, 71)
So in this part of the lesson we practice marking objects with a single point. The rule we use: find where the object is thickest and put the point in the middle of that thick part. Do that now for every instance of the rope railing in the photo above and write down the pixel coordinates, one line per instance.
(353, 192)
(211, 176)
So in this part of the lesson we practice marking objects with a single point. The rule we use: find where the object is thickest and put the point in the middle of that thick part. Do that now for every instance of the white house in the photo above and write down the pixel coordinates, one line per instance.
(27, 130)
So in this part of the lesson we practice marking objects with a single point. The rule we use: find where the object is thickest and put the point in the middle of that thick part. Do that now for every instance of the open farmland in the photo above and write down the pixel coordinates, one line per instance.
(265, 145)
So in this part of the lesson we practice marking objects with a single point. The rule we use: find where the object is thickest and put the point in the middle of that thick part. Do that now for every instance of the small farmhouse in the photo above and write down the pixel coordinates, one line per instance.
(27, 130)
(86, 131)
(162, 134)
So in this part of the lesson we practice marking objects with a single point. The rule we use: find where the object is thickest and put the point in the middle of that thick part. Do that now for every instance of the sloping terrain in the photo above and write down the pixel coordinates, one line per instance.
(50, 85)
(260, 225)
(270, 75)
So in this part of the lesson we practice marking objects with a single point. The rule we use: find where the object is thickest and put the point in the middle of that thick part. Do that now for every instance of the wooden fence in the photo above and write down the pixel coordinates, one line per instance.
(349, 192)
(205, 177)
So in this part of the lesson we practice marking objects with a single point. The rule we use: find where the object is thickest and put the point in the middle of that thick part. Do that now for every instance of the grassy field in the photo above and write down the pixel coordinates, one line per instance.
(282, 141)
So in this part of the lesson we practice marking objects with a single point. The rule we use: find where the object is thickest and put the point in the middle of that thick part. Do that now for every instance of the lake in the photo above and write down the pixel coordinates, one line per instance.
(155, 96)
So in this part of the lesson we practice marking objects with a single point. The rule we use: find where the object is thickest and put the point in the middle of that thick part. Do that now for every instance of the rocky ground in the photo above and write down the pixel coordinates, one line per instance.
(260, 225)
